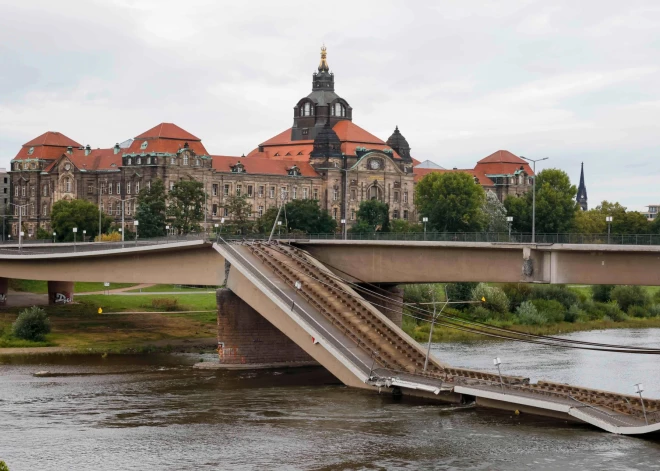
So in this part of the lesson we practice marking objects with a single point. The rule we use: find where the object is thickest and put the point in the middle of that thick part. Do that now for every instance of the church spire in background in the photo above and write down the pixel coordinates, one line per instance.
(582, 191)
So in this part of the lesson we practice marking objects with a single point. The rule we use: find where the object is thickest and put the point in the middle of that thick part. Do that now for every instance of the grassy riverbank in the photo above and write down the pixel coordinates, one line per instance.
(128, 323)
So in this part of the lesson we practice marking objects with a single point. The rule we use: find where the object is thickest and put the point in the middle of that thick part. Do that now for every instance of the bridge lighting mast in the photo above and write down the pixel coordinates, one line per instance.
(534, 195)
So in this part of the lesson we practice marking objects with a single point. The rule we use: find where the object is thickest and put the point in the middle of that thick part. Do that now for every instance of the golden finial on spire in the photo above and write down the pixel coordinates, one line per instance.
(323, 66)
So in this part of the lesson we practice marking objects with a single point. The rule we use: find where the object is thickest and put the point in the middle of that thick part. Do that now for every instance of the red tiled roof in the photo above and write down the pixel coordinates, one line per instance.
(52, 138)
(40, 152)
(164, 145)
(167, 131)
(284, 139)
(502, 168)
(351, 132)
(348, 148)
(502, 156)
(263, 166)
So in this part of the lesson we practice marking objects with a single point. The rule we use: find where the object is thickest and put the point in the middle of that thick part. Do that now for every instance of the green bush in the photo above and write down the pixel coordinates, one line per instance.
(638, 311)
(480, 313)
(166, 304)
(31, 324)
(496, 300)
(613, 311)
(552, 310)
(517, 293)
(656, 297)
(529, 315)
(3, 466)
(654, 311)
(557, 293)
(594, 310)
(460, 292)
(575, 314)
(601, 293)
(630, 295)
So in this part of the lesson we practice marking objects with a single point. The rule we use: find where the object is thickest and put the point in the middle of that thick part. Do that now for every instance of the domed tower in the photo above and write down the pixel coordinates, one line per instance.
(321, 106)
(326, 146)
(399, 144)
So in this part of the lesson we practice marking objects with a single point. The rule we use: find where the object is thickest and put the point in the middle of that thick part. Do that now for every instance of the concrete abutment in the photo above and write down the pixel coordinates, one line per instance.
(247, 340)
(4, 287)
(60, 292)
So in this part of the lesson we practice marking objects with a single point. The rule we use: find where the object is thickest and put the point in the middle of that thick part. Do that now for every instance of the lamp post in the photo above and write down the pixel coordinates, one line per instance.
(20, 223)
(167, 232)
(534, 195)
(509, 220)
(84, 235)
(123, 205)
(75, 231)
(279, 229)
(497, 362)
(609, 226)
(639, 388)
(135, 224)
(425, 220)
(54, 234)
(343, 226)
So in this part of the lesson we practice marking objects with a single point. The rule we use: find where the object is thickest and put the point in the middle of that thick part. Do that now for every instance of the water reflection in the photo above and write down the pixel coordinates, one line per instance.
(156, 412)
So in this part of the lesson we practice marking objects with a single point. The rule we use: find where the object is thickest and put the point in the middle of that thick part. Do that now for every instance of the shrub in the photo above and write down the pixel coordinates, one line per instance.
(112, 237)
(601, 293)
(3, 466)
(480, 313)
(31, 324)
(496, 300)
(166, 304)
(613, 311)
(529, 315)
(575, 314)
(656, 297)
(557, 293)
(629, 295)
(654, 311)
(594, 310)
(460, 292)
(517, 293)
(552, 310)
(638, 311)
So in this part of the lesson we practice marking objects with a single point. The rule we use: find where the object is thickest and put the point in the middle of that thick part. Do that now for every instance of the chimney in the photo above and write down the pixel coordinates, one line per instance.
(116, 148)
(69, 150)
(88, 149)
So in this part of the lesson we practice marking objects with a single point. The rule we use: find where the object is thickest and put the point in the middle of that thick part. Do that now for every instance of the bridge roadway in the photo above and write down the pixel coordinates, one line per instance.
(333, 324)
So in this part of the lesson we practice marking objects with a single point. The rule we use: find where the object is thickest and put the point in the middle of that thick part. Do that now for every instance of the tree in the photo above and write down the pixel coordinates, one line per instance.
(373, 214)
(654, 227)
(452, 201)
(623, 221)
(589, 222)
(43, 234)
(152, 209)
(186, 208)
(494, 214)
(555, 204)
(240, 212)
(299, 215)
(401, 225)
(77, 213)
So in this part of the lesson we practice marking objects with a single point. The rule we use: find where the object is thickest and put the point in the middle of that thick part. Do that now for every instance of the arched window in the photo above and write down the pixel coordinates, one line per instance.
(138, 160)
(67, 185)
(196, 162)
(173, 161)
(306, 109)
(129, 161)
(338, 110)
(374, 193)
(148, 160)
(185, 159)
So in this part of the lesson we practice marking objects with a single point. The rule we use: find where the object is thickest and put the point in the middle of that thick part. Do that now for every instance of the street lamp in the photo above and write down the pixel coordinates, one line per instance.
(135, 224)
(534, 195)
(54, 234)
(75, 231)
(609, 225)
(343, 232)
(509, 220)
(84, 232)
(279, 227)
(20, 222)
(639, 388)
(425, 220)
(497, 362)
(123, 207)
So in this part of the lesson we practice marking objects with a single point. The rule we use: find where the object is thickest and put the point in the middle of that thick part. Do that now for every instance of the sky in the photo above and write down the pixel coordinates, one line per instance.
(575, 81)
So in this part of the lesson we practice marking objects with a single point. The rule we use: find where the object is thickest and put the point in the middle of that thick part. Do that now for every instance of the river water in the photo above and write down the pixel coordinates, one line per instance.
(156, 412)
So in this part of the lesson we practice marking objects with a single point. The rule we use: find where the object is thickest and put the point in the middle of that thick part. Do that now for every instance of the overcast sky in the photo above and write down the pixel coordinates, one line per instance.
(571, 80)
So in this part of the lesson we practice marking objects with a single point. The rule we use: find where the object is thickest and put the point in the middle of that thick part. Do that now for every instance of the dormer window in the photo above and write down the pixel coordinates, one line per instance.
(30, 150)
(338, 109)
(300, 153)
(148, 160)
(306, 109)
(129, 161)
(288, 153)
(277, 154)
(294, 171)
(138, 160)
(196, 162)
(144, 145)
(185, 159)
(238, 168)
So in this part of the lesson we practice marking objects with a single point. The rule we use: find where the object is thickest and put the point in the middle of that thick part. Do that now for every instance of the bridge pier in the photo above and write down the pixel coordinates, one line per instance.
(4, 287)
(392, 308)
(247, 340)
(60, 292)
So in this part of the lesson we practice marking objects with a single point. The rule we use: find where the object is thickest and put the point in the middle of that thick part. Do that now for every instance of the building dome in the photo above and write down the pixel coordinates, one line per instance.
(326, 143)
(397, 142)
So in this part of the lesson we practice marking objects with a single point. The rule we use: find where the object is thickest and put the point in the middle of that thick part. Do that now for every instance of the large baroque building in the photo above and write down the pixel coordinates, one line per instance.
(324, 156)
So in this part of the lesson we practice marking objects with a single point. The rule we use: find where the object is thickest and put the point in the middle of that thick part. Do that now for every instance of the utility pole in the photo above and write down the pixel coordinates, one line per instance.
(534, 195)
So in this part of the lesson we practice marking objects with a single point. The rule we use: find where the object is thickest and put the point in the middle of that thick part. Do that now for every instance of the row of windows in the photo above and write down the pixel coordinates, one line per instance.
(395, 214)
(335, 110)
(261, 189)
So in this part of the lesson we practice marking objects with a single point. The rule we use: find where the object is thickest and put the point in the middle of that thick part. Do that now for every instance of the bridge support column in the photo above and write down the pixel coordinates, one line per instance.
(392, 308)
(247, 340)
(60, 292)
(4, 287)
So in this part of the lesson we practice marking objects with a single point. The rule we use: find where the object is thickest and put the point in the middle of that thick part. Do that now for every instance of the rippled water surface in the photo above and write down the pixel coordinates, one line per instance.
(155, 412)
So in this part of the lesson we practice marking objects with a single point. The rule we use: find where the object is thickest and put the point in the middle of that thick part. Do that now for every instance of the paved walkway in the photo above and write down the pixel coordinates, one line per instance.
(118, 290)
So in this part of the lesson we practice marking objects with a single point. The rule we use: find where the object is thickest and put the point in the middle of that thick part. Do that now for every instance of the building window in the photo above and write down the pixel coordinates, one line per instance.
(173, 161)
(405, 196)
(283, 193)
(90, 189)
(226, 212)
(148, 160)
(128, 207)
(149, 184)
(334, 213)
(185, 159)
(128, 161)
(306, 109)
(214, 210)
(128, 188)
(138, 160)
(335, 194)
(353, 194)
(144, 145)
(239, 188)
(44, 210)
(294, 192)
(396, 196)
(171, 186)
(226, 189)
(271, 192)
(119, 188)
(338, 110)
(316, 193)
(137, 187)
(32, 191)
(305, 193)
(395, 214)
(67, 186)
(16, 191)
(260, 211)
(261, 191)
(250, 191)
(352, 215)
(109, 188)
(196, 162)
(405, 214)
(23, 190)
(214, 189)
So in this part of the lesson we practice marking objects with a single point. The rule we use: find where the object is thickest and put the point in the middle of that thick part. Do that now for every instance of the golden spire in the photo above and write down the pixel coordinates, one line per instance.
(323, 66)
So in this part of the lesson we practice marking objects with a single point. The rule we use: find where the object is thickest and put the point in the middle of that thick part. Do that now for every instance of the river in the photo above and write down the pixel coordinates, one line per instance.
(156, 412)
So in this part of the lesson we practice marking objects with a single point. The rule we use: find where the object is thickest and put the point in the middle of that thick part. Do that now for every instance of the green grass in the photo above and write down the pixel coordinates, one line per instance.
(168, 288)
(117, 303)
(41, 287)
